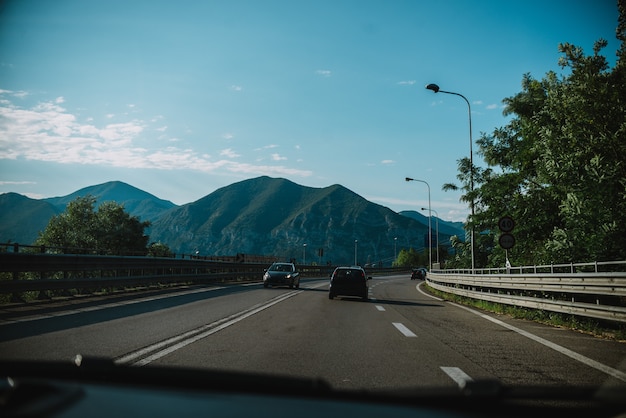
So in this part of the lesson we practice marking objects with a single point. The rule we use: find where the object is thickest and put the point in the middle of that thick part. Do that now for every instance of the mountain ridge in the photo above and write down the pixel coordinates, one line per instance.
(263, 215)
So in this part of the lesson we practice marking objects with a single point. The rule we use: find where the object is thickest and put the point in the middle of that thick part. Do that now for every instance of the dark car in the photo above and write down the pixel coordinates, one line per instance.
(418, 274)
(281, 274)
(348, 281)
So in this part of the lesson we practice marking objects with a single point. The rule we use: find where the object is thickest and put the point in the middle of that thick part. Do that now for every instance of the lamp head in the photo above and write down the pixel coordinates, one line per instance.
(408, 179)
(433, 87)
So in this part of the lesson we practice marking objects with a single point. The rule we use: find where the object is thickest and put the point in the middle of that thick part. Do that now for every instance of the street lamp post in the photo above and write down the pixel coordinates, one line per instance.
(436, 229)
(435, 88)
(355, 246)
(304, 254)
(430, 230)
(395, 248)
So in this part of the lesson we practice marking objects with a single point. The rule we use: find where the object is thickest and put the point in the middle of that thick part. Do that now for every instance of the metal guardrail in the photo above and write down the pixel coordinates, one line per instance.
(600, 295)
(24, 272)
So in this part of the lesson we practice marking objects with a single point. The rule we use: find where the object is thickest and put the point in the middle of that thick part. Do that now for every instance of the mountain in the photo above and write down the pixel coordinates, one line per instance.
(21, 218)
(277, 217)
(446, 228)
(260, 216)
(137, 202)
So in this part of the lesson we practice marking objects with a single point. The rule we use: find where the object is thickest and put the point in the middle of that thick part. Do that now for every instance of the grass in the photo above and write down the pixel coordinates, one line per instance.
(604, 329)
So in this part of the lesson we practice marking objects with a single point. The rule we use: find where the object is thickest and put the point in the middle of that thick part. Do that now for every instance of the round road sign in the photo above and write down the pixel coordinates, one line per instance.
(506, 241)
(506, 224)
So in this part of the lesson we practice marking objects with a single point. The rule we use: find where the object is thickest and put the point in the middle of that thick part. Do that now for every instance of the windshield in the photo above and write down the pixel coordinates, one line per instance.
(281, 267)
(156, 157)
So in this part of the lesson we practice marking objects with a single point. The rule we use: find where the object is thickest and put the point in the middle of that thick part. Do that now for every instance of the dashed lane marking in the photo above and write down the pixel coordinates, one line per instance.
(459, 376)
(403, 329)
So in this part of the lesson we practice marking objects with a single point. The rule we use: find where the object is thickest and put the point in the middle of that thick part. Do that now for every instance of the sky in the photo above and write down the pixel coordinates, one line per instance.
(182, 98)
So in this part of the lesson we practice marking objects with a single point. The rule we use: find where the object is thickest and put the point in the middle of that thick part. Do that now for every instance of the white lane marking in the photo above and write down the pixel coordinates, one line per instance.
(427, 294)
(618, 374)
(72, 311)
(380, 308)
(170, 345)
(404, 330)
(459, 376)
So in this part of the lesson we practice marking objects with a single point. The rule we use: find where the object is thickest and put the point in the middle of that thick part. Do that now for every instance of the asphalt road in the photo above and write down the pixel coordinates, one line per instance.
(401, 337)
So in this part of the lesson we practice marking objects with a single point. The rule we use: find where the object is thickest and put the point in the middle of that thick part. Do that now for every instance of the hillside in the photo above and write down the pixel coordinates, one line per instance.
(21, 218)
(261, 216)
(136, 201)
(277, 217)
(446, 228)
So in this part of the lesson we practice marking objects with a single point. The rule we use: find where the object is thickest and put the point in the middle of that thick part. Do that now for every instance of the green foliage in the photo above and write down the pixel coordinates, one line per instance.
(158, 249)
(107, 230)
(558, 168)
(411, 258)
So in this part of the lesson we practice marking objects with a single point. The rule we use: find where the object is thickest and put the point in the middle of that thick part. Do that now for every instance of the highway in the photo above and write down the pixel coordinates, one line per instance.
(400, 338)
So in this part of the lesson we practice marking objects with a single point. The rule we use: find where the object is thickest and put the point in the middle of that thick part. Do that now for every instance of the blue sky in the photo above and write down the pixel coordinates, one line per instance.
(182, 98)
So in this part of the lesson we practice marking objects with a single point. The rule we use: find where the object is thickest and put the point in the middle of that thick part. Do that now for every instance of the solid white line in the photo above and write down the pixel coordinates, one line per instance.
(618, 374)
(380, 308)
(73, 311)
(459, 376)
(192, 336)
(404, 330)
(427, 294)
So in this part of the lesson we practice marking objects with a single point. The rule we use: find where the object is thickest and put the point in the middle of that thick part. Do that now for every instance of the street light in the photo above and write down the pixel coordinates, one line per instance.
(395, 248)
(355, 245)
(436, 229)
(430, 230)
(435, 88)
(304, 254)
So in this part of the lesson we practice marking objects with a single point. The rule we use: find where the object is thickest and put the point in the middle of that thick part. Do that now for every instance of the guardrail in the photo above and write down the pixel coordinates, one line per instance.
(594, 294)
(27, 272)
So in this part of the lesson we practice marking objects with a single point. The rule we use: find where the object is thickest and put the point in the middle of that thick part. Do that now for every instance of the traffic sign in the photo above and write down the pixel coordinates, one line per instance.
(506, 224)
(506, 241)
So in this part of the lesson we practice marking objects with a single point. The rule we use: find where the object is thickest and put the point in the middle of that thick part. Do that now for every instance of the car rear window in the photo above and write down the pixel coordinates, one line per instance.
(349, 273)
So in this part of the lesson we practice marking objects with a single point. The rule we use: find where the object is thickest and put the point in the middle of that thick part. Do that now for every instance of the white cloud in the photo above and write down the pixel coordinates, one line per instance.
(48, 132)
(492, 106)
(228, 152)
(324, 73)
(407, 82)
(266, 147)
(387, 162)
(236, 88)
(15, 183)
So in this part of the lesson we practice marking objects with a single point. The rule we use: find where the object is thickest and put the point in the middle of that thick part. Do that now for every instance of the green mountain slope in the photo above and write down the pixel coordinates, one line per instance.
(277, 217)
(136, 201)
(21, 218)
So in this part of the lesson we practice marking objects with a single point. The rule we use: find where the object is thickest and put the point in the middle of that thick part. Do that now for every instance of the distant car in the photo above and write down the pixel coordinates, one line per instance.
(281, 274)
(348, 281)
(418, 274)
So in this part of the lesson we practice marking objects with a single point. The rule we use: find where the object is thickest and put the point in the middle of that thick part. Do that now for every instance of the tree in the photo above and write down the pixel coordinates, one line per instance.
(411, 258)
(107, 230)
(559, 166)
(158, 249)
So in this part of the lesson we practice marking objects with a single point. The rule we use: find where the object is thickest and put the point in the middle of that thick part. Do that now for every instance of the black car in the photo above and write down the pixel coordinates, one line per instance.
(348, 281)
(418, 274)
(281, 274)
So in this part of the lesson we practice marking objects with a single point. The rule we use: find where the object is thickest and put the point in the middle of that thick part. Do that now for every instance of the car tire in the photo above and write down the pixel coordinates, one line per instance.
(265, 285)
(330, 295)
